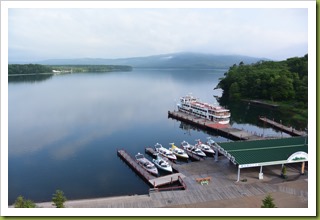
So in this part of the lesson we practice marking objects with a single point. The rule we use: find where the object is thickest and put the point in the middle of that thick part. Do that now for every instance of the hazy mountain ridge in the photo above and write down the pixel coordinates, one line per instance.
(173, 60)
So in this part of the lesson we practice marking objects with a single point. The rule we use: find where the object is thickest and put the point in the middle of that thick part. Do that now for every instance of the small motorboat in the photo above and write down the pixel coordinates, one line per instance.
(162, 164)
(146, 164)
(210, 142)
(178, 151)
(192, 149)
(204, 147)
(164, 152)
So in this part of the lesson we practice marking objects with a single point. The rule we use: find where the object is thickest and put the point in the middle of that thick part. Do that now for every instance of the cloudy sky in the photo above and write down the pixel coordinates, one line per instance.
(37, 34)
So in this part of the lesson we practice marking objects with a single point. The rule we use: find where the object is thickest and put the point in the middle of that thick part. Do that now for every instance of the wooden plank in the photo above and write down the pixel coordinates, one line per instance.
(163, 180)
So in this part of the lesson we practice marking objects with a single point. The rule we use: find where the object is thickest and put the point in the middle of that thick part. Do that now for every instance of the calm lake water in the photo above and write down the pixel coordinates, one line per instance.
(64, 130)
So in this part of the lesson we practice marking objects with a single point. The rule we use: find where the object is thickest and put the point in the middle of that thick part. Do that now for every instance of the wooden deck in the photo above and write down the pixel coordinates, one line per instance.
(224, 130)
(288, 130)
(152, 180)
(222, 191)
(164, 180)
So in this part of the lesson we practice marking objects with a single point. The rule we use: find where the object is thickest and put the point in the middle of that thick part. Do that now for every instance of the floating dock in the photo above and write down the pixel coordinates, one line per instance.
(280, 126)
(224, 130)
(152, 180)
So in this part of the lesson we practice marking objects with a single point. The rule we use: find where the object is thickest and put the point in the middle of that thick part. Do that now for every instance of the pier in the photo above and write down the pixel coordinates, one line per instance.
(225, 130)
(152, 180)
(258, 102)
(280, 126)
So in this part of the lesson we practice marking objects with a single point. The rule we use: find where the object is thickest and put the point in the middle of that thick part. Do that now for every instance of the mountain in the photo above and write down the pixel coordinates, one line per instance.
(173, 60)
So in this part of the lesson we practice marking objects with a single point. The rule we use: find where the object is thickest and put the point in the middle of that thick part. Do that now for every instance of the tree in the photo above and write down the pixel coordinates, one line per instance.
(58, 199)
(268, 202)
(22, 203)
(234, 91)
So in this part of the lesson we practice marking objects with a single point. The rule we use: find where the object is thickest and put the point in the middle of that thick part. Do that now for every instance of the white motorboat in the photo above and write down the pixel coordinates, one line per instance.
(146, 164)
(162, 164)
(192, 149)
(178, 151)
(204, 147)
(164, 152)
(210, 142)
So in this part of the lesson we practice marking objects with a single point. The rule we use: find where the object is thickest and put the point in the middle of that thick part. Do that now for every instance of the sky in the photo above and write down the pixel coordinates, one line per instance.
(37, 33)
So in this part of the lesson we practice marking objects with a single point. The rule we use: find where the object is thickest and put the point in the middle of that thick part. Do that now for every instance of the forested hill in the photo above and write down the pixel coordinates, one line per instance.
(164, 61)
(268, 80)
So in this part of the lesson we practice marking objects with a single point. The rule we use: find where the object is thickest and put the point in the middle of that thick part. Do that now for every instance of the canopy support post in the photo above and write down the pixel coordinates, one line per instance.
(216, 154)
(302, 167)
(260, 174)
(238, 174)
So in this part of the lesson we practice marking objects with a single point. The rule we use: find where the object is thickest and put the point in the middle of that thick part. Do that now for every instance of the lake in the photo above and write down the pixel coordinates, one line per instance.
(64, 130)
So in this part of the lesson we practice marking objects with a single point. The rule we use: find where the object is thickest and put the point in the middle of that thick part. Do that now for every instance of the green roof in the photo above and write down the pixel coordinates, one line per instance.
(265, 152)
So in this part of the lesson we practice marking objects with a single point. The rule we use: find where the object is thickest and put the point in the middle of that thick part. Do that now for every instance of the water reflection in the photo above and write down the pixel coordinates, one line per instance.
(245, 113)
(29, 78)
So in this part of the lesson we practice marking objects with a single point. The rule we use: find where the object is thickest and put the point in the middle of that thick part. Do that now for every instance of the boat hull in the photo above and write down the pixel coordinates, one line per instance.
(167, 169)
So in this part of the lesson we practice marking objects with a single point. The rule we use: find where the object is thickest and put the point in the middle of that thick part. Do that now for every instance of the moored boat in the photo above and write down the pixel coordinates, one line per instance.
(162, 164)
(146, 164)
(164, 152)
(192, 149)
(191, 105)
(178, 151)
(204, 147)
(210, 142)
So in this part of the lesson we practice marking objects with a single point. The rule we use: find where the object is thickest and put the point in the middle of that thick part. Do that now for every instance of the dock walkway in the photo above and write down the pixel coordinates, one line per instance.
(288, 130)
(224, 130)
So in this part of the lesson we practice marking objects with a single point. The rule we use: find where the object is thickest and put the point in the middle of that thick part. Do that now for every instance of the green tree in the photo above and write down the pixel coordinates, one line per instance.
(58, 199)
(267, 202)
(234, 92)
(22, 203)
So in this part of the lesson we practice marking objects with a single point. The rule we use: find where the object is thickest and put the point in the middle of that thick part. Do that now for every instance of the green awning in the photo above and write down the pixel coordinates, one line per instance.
(266, 152)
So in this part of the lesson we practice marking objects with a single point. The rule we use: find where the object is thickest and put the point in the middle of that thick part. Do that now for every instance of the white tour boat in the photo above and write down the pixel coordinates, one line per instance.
(162, 163)
(204, 147)
(164, 151)
(191, 105)
(178, 151)
(192, 149)
(146, 164)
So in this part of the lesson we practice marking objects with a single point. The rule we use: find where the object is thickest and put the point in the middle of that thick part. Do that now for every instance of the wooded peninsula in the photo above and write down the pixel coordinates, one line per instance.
(284, 83)
(20, 69)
